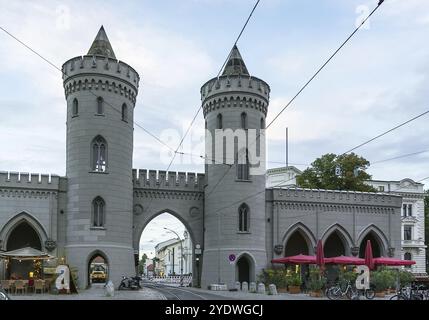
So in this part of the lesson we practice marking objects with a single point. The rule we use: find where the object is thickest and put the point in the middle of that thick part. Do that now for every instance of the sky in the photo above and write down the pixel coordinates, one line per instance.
(377, 81)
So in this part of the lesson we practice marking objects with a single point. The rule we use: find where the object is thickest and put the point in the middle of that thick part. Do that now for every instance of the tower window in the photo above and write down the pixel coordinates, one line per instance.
(262, 123)
(100, 107)
(244, 121)
(75, 108)
(98, 212)
(243, 165)
(124, 113)
(99, 154)
(219, 121)
(243, 218)
(407, 256)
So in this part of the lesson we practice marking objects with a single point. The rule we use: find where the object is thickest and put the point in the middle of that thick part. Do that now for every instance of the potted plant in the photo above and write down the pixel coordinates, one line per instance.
(316, 283)
(275, 276)
(294, 283)
(382, 280)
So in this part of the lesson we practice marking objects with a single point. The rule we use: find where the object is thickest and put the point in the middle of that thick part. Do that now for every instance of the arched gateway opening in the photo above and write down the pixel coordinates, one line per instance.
(296, 244)
(334, 246)
(23, 235)
(244, 269)
(166, 249)
(98, 269)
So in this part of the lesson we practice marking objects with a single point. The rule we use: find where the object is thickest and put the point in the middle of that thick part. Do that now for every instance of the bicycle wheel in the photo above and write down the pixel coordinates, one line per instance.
(333, 293)
(398, 297)
(370, 294)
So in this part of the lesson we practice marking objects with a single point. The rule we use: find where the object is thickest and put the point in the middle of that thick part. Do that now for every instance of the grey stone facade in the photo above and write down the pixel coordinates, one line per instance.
(65, 209)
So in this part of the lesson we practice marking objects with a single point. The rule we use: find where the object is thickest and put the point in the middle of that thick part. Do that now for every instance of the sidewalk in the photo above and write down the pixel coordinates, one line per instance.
(95, 293)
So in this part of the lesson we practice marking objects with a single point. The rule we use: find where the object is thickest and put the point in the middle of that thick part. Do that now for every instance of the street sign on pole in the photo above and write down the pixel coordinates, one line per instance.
(231, 258)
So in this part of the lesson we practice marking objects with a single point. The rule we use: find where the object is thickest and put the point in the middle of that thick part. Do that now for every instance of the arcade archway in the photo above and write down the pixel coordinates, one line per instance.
(297, 244)
(334, 245)
(376, 244)
(23, 235)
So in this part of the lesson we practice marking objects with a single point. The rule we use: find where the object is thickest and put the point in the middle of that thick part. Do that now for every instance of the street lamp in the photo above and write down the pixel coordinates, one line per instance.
(181, 255)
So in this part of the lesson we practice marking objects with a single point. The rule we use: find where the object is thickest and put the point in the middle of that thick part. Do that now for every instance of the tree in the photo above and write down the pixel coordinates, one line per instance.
(142, 263)
(322, 174)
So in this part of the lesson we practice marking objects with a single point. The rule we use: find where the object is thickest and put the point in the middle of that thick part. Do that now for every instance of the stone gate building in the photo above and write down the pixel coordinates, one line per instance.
(102, 205)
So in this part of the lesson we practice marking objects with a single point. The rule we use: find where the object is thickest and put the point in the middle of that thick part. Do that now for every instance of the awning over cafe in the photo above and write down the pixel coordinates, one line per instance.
(26, 254)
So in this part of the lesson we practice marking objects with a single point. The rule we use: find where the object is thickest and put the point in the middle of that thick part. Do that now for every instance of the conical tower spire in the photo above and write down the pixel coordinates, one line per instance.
(101, 45)
(235, 64)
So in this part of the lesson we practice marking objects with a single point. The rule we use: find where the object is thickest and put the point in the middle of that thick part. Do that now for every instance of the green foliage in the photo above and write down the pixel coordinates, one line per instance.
(274, 276)
(293, 279)
(405, 278)
(317, 281)
(383, 279)
(347, 276)
(321, 173)
(142, 263)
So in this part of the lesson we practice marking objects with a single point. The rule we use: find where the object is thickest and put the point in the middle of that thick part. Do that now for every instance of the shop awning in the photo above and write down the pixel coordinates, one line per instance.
(298, 259)
(27, 253)
(393, 262)
(345, 260)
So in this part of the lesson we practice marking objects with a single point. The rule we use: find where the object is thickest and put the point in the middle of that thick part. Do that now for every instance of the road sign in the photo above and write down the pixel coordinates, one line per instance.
(231, 257)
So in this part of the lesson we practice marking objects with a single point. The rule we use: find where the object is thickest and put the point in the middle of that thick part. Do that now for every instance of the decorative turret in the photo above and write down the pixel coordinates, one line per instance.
(101, 45)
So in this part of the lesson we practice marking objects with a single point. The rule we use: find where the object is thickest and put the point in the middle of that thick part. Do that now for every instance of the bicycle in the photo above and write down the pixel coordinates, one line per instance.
(336, 292)
(3, 295)
(407, 293)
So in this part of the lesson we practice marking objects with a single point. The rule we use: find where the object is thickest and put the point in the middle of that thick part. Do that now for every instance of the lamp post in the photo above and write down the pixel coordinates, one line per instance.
(181, 255)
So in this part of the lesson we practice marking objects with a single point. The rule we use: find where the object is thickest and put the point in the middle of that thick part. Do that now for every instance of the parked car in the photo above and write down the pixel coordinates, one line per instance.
(98, 276)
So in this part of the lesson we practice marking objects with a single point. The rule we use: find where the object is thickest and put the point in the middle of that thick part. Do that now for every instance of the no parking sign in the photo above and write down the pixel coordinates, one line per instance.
(231, 258)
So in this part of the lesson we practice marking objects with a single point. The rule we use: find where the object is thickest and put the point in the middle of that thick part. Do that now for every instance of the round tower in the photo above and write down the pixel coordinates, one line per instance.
(101, 93)
(235, 107)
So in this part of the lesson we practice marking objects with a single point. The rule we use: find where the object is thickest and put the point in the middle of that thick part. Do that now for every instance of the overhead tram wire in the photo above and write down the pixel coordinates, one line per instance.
(220, 70)
(325, 64)
(310, 80)
(62, 72)
(200, 107)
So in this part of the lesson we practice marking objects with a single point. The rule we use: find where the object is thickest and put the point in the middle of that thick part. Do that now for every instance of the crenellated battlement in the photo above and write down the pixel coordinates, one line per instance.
(147, 179)
(83, 73)
(29, 180)
(235, 91)
(335, 196)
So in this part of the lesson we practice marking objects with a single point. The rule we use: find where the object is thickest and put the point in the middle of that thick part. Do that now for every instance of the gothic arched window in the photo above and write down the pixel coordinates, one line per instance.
(262, 123)
(124, 112)
(99, 154)
(98, 212)
(219, 121)
(75, 107)
(243, 218)
(244, 121)
(100, 105)
(243, 165)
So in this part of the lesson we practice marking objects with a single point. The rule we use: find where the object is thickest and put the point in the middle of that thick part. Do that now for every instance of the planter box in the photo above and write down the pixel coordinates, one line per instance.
(294, 289)
(381, 294)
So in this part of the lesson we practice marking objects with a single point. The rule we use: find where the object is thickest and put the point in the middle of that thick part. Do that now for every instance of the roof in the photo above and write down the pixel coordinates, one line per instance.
(235, 65)
(101, 45)
(283, 170)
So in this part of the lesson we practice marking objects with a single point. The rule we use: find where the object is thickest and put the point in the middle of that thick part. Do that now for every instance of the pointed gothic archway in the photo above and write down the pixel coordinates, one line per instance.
(23, 235)
(245, 268)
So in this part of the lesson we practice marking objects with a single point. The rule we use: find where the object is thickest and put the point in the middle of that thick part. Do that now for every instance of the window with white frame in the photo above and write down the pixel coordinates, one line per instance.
(408, 232)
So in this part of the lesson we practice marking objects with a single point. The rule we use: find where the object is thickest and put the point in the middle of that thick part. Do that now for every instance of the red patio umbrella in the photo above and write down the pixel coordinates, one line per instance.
(345, 260)
(369, 260)
(320, 258)
(298, 259)
(393, 262)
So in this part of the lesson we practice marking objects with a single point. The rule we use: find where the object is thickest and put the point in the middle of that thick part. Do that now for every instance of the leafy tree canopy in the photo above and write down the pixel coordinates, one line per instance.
(322, 174)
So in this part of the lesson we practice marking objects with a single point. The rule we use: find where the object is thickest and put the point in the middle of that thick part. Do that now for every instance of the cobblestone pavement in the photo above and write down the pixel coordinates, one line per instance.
(95, 293)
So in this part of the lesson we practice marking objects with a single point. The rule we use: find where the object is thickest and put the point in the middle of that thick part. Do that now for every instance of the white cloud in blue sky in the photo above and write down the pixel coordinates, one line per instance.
(379, 79)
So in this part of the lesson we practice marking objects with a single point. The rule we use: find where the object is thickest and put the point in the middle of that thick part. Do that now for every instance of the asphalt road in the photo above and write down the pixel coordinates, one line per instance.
(182, 293)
